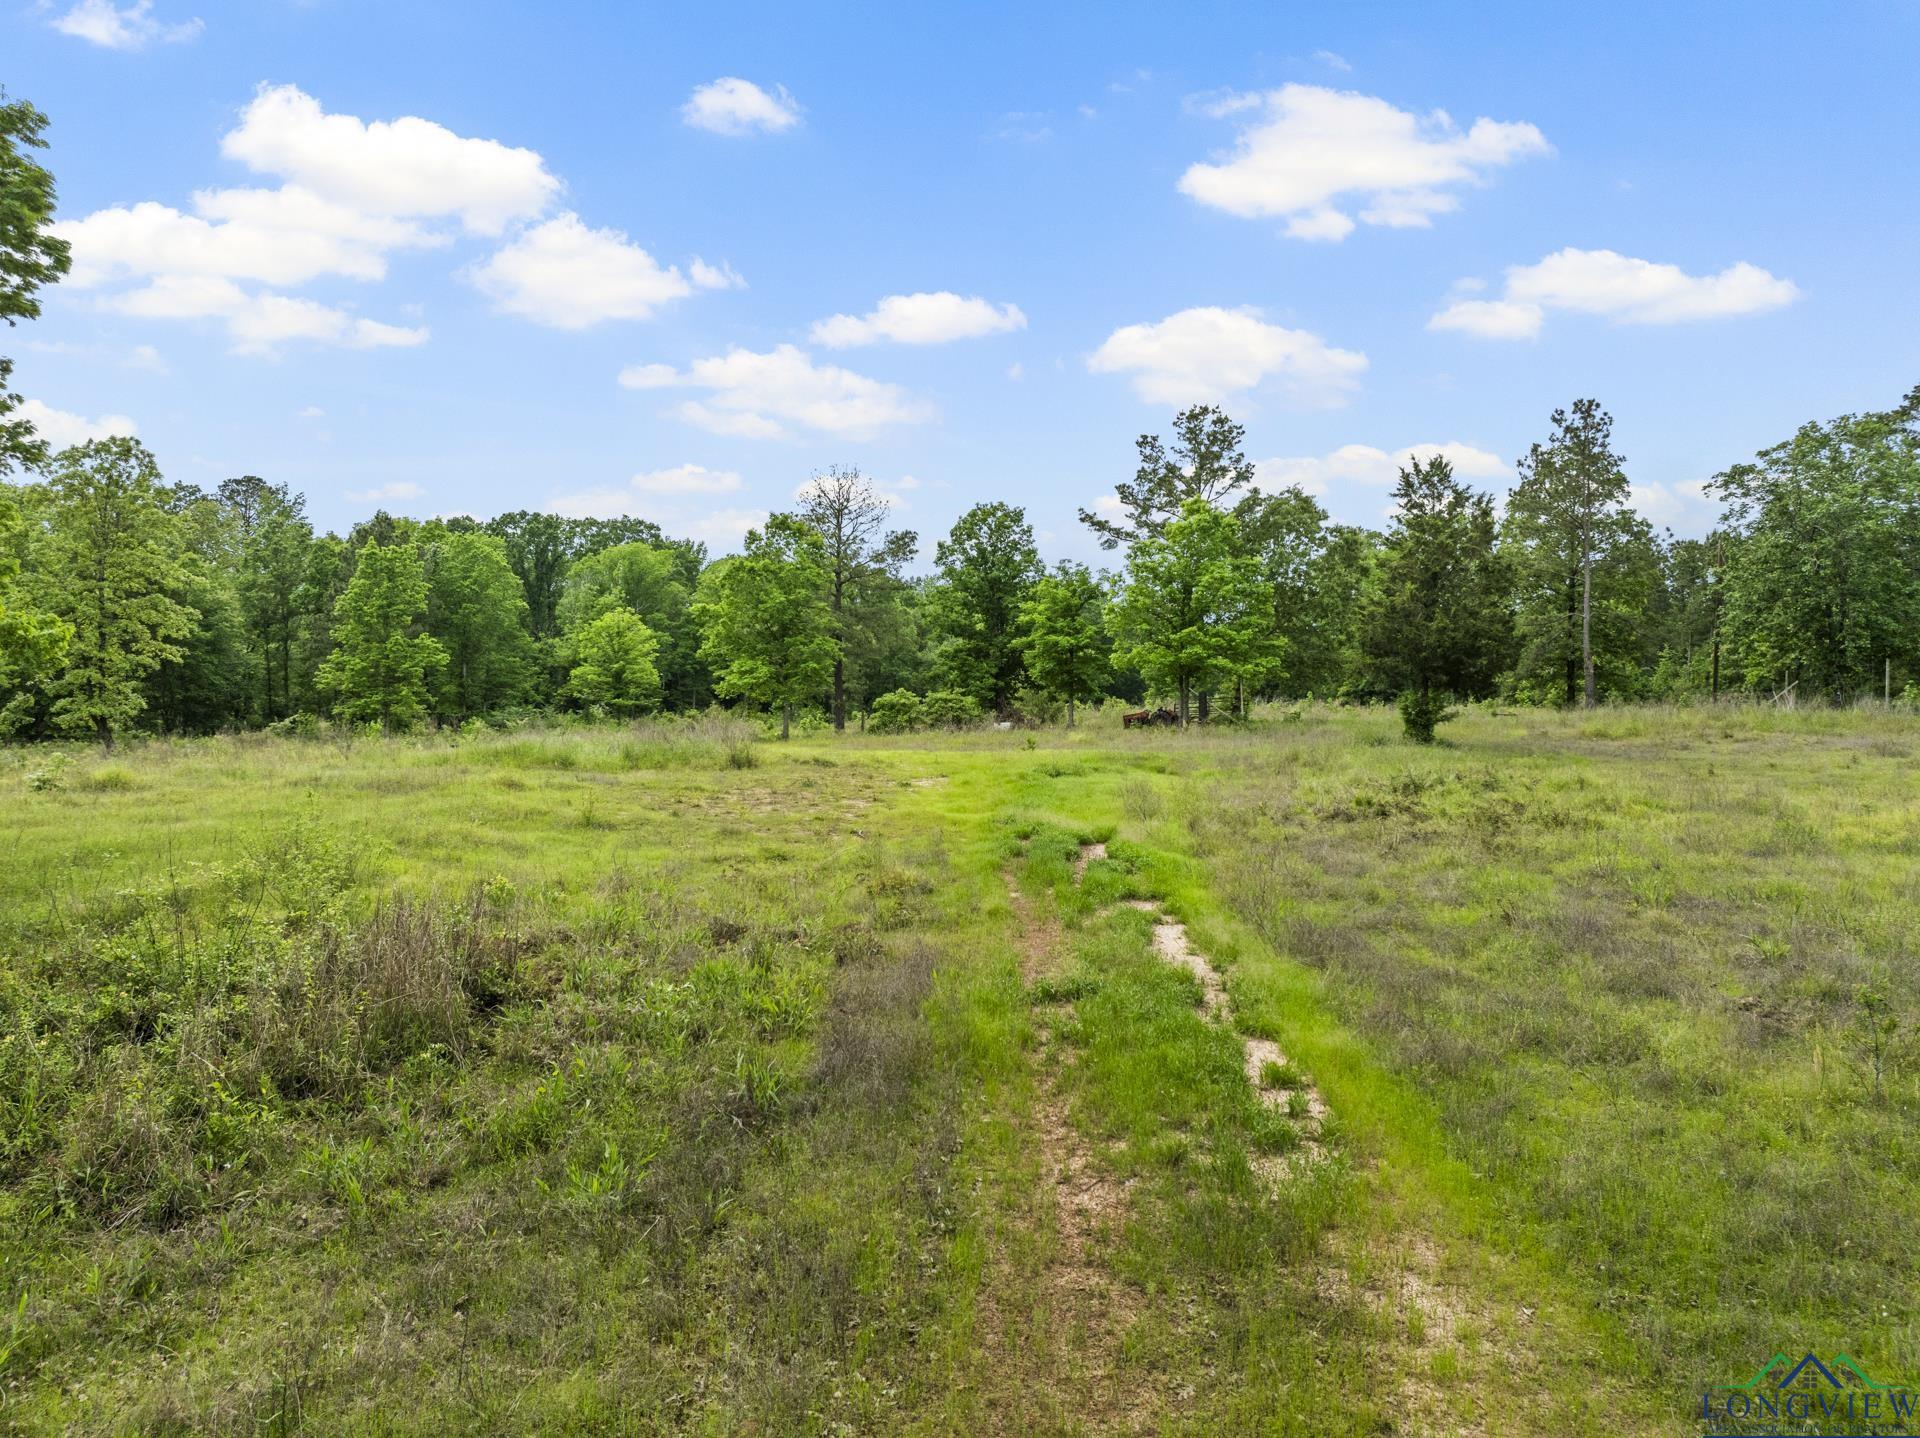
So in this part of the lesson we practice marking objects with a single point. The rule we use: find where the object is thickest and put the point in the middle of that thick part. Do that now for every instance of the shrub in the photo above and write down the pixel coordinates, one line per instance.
(950, 709)
(1422, 714)
(896, 713)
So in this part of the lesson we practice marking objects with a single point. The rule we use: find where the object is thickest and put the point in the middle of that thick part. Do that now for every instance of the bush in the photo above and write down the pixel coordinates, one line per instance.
(895, 713)
(1422, 714)
(950, 709)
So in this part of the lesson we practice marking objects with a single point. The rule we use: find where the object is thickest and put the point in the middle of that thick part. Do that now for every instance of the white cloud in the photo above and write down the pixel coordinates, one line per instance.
(565, 275)
(732, 106)
(714, 277)
(1364, 464)
(404, 167)
(259, 323)
(1304, 148)
(312, 411)
(722, 527)
(132, 27)
(145, 357)
(278, 237)
(1016, 371)
(1208, 354)
(1333, 61)
(59, 429)
(353, 193)
(1617, 287)
(686, 479)
(1685, 504)
(1490, 319)
(920, 319)
(759, 395)
(644, 491)
(399, 489)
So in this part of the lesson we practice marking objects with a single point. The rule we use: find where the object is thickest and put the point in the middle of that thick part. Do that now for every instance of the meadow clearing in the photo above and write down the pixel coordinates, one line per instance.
(661, 1078)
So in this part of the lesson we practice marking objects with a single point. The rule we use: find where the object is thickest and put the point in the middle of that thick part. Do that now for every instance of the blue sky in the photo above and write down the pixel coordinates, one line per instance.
(404, 254)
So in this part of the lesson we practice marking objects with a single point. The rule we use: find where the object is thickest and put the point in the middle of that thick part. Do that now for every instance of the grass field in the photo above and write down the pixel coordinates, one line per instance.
(666, 1080)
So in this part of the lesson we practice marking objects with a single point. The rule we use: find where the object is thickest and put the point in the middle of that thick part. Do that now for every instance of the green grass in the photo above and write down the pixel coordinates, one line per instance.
(652, 1079)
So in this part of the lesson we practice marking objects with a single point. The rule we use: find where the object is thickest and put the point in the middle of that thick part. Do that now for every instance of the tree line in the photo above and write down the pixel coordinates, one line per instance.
(128, 603)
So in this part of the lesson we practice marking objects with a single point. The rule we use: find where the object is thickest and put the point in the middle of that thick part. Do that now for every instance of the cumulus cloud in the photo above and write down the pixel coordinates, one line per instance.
(644, 490)
(758, 396)
(353, 192)
(714, 277)
(920, 319)
(122, 27)
(1208, 354)
(381, 494)
(1308, 155)
(405, 167)
(1366, 465)
(260, 323)
(59, 428)
(565, 275)
(1617, 287)
(732, 106)
(277, 237)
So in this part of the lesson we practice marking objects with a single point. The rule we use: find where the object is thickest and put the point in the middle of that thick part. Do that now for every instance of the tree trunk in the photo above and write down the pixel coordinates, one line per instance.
(786, 720)
(839, 695)
(103, 731)
(1183, 703)
(1206, 707)
(1069, 711)
(1586, 630)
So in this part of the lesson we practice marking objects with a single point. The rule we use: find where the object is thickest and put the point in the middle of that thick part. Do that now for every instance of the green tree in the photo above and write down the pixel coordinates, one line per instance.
(654, 580)
(1438, 623)
(1823, 586)
(1064, 636)
(30, 256)
(1573, 545)
(112, 568)
(540, 547)
(984, 569)
(1193, 612)
(322, 581)
(766, 629)
(1204, 462)
(864, 561)
(33, 641)
(476, 609)
(613, 663)
(211, 684)
(382, 665)
(272, 540)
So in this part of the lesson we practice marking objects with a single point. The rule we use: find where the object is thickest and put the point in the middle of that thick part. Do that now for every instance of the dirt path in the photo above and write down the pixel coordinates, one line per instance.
(1060, 1325)
(1278, 1083)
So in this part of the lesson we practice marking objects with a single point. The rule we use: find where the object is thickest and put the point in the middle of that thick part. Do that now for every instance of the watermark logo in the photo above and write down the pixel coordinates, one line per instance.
(1808, 1396)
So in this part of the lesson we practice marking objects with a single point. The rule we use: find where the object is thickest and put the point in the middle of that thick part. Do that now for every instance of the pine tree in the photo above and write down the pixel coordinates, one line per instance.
(1572, 536)
(1438, 623)
(1205, 462)
(381, 664)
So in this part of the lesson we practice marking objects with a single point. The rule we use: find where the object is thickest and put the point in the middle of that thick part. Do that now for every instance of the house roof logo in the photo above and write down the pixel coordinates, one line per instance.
(1811, 1395)
(1819, 1371)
